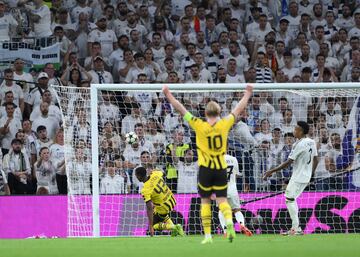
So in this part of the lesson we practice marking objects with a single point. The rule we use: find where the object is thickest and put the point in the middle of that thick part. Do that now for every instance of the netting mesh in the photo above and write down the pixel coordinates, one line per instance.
(261, 139)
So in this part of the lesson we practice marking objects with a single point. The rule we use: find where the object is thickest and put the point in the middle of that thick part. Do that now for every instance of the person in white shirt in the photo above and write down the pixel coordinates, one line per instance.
(24, 80)
(10, 85)
(50, 122)
(54, 111)
(303, 156)
(99, 75)
(131, 24)
(108, 111)
(6, 22)
(17, 167)
(187, 170)
(112, 183)
(195, 76)
(140, 67)
(79, 172)
(57, 155)
(233, 195)
(129, 121)
(81, 7)
(40, 16)
(43, 140)
(9, 125)
(289, 70)
(232, 75)
(45, 173)
(35, 96)
(106, 37)
(9, 98)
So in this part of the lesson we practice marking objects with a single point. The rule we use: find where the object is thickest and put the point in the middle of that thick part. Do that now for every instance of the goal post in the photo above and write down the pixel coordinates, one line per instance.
(96, 213)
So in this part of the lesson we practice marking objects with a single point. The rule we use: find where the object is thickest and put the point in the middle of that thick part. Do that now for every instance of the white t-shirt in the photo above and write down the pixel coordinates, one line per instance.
(43, 27)
(51, 124)
(109, 112)
(17, 113)
(232, 171)
(34, 97)
(187, 177)
(17, 92)
(105, 38)
(54, 112)
(128, 123)
(132, 74)
(5, 22)
(144, 98)
(25, 77)
(302, 153)
(75, 12)
(57, 155)
(14, 126)
(113, 185)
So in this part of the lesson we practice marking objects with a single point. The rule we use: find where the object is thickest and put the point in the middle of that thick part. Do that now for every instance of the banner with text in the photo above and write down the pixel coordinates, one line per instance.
(30, 53)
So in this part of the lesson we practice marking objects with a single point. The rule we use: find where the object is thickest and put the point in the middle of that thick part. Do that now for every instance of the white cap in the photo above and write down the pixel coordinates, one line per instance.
(43, 75)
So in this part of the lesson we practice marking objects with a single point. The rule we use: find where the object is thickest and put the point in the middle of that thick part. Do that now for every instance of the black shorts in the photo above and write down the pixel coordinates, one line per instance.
(212, 181)
(157, 218)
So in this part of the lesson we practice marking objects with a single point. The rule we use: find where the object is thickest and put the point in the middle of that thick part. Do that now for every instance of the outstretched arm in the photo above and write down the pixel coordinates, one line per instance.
(149, 212)
(243, 102)
(280, 167)
(173, 101)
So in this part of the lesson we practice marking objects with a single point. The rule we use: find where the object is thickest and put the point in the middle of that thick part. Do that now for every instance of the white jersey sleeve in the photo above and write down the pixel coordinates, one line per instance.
(232, 171)
(302, 154)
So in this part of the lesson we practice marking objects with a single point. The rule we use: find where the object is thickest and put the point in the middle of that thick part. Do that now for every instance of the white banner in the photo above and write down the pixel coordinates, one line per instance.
(31, 54)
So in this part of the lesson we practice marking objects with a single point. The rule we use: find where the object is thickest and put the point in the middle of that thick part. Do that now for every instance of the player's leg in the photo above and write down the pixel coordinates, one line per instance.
(234, 201)
(222, 221)
(293, 190)
(220, 189)
(164, 222)
(241, 220)
(205, 191)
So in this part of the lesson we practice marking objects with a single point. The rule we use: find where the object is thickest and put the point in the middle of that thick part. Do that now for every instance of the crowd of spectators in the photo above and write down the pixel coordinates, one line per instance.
(164, 41)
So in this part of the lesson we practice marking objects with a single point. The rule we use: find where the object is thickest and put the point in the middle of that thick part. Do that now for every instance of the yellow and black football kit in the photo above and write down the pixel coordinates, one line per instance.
(158, 192)
(211, 142)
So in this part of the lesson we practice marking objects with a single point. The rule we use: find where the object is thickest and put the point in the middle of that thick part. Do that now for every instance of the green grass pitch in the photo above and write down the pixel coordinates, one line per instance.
(335, 245)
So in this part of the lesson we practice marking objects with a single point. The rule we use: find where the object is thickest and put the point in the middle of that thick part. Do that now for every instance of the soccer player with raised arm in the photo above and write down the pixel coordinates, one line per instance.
(159, 201)
(233, 195)
(304, 158)
(211, 142)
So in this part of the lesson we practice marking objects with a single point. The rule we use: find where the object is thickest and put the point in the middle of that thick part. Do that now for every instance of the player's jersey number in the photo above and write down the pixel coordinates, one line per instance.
(215, 142)
(229, 171)
(161, 187)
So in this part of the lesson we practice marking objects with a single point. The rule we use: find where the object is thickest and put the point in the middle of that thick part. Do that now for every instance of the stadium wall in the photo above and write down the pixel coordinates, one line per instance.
(327, 212)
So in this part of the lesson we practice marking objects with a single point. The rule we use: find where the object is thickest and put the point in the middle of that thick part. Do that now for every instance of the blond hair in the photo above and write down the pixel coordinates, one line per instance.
(212, 109)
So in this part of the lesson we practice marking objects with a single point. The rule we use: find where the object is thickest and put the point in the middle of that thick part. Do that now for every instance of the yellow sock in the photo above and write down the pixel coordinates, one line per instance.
(206, 218)
(225, 208)
(166, 225)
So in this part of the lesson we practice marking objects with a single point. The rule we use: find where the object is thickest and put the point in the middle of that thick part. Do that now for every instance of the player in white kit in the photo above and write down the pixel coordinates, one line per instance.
(233, 195)
(304, 158)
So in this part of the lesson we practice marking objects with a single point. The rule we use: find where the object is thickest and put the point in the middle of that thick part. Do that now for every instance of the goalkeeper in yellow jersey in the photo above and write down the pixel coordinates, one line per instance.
(211, 142)
(159, 201)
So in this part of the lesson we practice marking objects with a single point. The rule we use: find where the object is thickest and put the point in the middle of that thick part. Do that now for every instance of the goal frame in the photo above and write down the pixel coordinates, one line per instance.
(178, 87)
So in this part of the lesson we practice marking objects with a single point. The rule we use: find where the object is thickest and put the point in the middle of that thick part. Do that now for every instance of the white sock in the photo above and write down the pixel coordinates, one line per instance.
(239, 217)
(222, 221)
(207, 235)
(293, 211)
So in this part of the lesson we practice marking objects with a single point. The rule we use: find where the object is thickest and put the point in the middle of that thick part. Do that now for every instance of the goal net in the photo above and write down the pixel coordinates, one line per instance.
(102, 152)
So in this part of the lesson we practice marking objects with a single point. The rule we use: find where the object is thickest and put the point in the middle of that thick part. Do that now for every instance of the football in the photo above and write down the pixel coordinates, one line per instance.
(131, 138)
